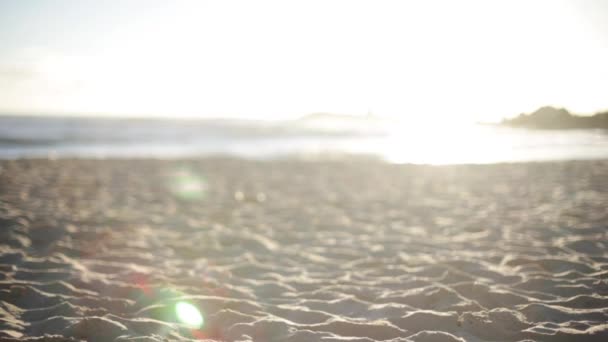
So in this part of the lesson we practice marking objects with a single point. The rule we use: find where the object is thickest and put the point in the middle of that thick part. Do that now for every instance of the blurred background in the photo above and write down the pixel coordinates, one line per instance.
(433, 82)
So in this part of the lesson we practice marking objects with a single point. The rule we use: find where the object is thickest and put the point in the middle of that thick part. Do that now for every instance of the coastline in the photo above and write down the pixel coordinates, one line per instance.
(291, 250)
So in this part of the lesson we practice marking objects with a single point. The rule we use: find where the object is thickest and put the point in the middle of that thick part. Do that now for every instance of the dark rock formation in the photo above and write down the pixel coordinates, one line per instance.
(557, 118)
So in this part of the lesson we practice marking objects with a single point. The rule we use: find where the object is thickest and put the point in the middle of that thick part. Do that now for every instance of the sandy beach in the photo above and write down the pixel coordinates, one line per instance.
(287, 250)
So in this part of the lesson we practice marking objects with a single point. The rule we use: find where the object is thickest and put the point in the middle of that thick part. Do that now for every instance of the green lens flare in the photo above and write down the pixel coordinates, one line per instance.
(189, 315)
(188, 185)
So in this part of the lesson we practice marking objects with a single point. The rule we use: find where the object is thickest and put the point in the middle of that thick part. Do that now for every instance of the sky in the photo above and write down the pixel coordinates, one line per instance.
(416, 60)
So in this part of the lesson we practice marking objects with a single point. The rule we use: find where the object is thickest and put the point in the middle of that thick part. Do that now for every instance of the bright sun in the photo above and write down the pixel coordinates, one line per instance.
(274, 59)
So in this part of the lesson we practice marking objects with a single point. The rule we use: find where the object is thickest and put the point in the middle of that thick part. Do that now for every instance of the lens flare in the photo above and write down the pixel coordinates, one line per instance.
(189, 315)
(187, 185)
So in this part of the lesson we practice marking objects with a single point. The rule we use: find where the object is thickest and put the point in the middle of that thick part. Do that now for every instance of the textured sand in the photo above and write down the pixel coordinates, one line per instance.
(303, 251)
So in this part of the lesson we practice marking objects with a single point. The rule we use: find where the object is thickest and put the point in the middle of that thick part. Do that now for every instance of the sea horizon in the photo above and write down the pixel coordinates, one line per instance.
(312, 136)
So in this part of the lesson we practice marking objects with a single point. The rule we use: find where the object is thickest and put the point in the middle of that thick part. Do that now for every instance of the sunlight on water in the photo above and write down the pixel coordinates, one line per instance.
(445, 145)
(394, 141)
(479, 144)
(189, 315)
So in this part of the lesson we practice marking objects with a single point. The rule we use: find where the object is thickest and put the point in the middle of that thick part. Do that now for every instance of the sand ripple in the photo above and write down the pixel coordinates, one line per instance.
(303, 251)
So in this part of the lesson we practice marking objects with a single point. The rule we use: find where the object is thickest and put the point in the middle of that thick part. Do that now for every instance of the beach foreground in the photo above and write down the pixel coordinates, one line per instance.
(351, 250)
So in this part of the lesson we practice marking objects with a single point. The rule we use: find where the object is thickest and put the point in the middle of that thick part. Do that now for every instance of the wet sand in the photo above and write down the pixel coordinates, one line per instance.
(359, 251)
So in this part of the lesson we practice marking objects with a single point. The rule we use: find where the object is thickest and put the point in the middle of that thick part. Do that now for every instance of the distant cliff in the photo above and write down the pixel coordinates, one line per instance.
(557, 118)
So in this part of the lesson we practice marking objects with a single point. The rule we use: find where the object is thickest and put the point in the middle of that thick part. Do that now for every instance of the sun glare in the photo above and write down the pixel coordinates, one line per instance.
(444, 144)
(274, 60)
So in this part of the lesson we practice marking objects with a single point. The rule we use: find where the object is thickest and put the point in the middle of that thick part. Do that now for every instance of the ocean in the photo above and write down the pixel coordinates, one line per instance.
(313, 137)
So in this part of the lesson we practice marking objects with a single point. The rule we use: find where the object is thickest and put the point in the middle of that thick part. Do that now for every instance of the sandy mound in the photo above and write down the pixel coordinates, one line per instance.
(234, 250)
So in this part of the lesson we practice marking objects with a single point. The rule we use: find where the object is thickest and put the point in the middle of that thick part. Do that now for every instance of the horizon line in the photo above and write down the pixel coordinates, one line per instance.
(197, 117)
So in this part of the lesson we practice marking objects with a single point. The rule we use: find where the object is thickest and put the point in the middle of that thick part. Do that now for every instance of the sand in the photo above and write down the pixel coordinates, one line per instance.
(287, 250)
